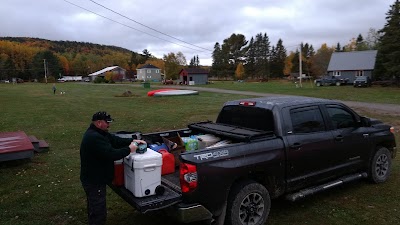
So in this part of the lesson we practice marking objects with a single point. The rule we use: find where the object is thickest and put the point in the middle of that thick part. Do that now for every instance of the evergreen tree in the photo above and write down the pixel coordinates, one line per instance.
(217, 65)
(233, 51)
(387, 60)
(338, 48)
(250, 59)
(360, 43)
(278, 57)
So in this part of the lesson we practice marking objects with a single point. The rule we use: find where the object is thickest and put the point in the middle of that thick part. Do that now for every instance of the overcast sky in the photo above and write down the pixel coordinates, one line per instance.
(200, 23)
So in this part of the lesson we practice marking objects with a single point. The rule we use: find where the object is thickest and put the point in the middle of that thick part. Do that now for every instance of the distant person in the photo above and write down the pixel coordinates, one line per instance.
(54, 89)
(99, 149)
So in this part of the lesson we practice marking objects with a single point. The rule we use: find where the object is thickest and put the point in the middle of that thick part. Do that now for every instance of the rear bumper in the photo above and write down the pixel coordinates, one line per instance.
(187, 213)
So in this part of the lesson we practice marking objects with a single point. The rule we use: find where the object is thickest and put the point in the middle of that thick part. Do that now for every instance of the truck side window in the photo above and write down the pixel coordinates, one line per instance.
(307, 120)
(340, 117)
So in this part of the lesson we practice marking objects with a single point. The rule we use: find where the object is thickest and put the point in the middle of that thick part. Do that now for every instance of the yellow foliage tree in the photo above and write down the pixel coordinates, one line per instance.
(288, 64)
(108, 76)
(239, 73)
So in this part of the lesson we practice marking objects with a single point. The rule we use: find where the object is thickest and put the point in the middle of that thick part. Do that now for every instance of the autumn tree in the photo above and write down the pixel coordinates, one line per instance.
(320, 60)
(173, 64)
(239, 72)
(387, 60)
(372, 39)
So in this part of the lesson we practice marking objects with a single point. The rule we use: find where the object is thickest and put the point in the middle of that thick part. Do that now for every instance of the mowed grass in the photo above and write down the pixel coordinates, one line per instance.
(347, 92)
(47, 190)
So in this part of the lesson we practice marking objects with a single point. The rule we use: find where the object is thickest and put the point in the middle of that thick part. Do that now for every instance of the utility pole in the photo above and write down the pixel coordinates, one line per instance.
(300, 68)
(45, 70)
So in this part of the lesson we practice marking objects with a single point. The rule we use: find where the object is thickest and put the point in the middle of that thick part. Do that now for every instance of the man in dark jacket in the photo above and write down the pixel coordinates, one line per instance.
(99, 150)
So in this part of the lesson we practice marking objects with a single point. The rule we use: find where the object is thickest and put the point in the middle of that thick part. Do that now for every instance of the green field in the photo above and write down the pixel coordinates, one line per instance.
(47, 190)
(347, 92)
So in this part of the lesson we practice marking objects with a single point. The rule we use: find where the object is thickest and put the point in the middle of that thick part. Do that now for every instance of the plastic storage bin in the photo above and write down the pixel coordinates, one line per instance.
(143, 173)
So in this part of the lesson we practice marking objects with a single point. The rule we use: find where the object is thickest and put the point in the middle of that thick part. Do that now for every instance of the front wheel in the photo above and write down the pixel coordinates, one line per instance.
(248, 203)
(380, 166)
(318, 84)
(337, 83)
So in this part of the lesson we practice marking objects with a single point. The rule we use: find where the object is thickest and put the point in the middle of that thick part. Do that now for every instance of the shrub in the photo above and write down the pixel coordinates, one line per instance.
(98, 80)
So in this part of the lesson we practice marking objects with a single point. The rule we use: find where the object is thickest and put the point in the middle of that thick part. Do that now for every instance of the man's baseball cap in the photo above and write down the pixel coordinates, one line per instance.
(102, 116)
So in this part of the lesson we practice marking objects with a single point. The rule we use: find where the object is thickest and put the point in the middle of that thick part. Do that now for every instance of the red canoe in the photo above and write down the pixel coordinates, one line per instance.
(151, 93)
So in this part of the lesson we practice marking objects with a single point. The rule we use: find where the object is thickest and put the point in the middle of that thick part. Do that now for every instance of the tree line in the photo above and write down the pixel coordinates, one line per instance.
(235, 58)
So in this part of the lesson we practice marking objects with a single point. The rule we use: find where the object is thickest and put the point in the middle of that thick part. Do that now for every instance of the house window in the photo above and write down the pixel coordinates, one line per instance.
(140, 71)
(359, 73)
(157, 71)
(336, 73)
(148, 71)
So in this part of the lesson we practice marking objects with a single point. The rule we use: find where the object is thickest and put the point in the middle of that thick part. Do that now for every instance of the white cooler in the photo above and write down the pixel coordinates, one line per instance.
(142, 172)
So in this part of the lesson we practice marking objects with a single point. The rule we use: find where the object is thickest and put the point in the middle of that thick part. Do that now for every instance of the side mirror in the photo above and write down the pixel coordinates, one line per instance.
(365, 122)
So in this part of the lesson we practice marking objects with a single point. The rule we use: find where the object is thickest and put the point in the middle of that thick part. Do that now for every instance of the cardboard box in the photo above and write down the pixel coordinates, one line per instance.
(176, 151)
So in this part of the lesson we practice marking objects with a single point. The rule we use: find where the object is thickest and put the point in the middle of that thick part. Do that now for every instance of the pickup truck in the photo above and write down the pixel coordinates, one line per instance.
(277, 146)
(330, 81)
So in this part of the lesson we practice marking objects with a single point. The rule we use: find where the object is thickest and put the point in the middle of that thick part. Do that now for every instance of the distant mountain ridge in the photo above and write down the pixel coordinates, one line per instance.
(66, 46)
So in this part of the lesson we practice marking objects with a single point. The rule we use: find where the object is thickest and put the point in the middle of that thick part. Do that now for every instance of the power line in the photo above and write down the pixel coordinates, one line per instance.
(149, 27)
(129, 26)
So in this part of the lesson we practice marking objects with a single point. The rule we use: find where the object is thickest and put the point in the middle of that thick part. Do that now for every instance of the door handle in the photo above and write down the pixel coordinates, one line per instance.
(339, 138)
(296, 146)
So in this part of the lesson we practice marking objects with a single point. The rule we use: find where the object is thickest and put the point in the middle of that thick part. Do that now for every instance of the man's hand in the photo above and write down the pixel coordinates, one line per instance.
(135, 143)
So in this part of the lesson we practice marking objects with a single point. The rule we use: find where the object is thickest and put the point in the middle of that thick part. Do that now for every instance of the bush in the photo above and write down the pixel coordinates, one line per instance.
(98, 80)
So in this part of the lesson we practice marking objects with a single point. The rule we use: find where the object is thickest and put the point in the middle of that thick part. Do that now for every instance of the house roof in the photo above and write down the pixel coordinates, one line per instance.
(148, 66)
(104, 70)
(357, 60)
(195, 71)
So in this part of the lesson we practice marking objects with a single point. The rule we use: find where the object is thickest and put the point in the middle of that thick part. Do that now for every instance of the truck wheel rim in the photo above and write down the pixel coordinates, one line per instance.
(251, 209)
(382, 166)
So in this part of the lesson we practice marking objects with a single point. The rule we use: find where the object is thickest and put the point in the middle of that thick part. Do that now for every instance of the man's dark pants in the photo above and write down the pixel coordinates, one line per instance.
(96, 203)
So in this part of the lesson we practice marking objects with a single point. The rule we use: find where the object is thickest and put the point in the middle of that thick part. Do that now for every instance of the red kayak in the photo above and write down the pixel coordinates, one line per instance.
(151, 93)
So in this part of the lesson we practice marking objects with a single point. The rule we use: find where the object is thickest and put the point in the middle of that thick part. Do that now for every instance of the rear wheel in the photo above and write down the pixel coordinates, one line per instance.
(248, 203)
(318, 84)
(380, 166)
(337, 83)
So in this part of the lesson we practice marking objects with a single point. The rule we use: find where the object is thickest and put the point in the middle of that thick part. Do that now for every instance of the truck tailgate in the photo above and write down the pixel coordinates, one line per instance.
(171, 196)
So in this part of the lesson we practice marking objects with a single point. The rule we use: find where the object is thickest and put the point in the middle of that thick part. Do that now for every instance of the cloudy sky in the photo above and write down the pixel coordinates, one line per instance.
(191, 26)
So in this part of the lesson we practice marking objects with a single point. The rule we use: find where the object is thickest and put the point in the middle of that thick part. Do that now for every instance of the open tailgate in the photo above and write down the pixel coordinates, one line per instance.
(171, 196)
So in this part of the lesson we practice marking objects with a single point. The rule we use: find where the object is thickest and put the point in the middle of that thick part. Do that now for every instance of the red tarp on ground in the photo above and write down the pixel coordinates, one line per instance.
(14, 142)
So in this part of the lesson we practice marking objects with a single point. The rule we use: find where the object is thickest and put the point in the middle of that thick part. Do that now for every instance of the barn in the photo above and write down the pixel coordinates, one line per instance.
(192, 76)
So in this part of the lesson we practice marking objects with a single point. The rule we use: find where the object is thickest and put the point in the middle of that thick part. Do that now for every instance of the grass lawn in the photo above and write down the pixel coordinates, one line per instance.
(47, 190)
(348, 92)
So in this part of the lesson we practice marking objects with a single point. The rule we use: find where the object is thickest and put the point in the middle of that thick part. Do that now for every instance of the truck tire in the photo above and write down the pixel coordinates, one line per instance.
(318, 84)
(248, 203)
(380, 166)
(337, 83)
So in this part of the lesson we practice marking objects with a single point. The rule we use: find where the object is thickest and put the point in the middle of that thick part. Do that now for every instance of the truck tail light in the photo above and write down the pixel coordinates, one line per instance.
(247, 103)
(392, 130)
(188, 177)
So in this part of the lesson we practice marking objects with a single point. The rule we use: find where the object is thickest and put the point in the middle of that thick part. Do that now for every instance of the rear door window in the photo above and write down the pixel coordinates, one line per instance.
(307, 120)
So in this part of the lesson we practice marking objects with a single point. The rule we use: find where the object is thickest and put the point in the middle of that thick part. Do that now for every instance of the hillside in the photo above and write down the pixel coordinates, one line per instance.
(25, 57)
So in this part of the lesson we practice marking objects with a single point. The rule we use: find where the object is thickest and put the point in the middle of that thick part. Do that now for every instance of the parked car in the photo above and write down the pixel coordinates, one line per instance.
(362, 81)
(329, 81)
